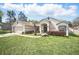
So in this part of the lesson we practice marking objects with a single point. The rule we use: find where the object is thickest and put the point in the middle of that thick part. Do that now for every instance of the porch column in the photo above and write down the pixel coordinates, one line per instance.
(67, 30)
(40, 29)
(47, 27)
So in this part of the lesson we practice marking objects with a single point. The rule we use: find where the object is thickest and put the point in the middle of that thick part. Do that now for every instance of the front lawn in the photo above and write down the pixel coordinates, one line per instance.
(56, 45)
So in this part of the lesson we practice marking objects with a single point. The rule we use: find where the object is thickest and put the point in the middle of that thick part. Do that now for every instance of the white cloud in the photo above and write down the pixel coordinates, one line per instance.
(71, 11)
(39, 1)
(13, 6)
(46, 9)
(54, 9)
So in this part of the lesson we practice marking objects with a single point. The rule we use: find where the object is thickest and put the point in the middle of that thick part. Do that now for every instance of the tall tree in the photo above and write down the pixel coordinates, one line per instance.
(76, 21)
(70, 24)
(11, 14)
(11, 17)
(22, 17)
(1, 14)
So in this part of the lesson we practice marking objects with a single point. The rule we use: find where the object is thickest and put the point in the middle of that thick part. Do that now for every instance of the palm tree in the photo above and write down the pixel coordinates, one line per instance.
(1, 14)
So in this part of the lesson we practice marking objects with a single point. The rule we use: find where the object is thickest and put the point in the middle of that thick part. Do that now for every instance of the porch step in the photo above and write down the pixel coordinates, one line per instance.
(44, 34)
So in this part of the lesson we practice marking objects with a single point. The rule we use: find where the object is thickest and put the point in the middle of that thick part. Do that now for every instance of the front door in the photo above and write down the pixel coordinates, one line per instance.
(44, 28)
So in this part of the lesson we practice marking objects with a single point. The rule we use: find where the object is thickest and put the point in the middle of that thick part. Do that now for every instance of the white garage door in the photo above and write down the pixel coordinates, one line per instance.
(19, 29)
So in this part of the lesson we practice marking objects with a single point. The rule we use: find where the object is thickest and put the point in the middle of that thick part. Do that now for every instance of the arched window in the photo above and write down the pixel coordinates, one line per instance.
(62, 28)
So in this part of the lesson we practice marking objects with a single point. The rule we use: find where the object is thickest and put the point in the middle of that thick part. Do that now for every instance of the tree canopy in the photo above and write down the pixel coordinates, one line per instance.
(11, 14)
(76, 21)
(22, 17)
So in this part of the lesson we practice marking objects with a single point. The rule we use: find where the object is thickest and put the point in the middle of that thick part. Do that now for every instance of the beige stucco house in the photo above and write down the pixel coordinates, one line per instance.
(43, 26)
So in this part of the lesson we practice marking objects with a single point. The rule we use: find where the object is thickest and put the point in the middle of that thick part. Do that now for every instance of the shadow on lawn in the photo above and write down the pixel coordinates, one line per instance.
(72, 34)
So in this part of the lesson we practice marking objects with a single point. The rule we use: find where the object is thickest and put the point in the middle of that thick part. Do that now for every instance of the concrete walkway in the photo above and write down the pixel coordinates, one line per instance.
(13, 34)
(8, 34)
(29, 36)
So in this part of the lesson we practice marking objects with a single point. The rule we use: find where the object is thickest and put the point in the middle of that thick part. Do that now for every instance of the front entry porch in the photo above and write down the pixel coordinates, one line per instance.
(44, 28)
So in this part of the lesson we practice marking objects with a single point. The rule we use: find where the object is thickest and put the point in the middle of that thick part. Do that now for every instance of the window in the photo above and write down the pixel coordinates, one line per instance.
(62, 28)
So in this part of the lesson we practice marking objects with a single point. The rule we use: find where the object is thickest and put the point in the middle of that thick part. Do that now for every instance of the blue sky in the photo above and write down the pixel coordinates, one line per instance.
(38, 11)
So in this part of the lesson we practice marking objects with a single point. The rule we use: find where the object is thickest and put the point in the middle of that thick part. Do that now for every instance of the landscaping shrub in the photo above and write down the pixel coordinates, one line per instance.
(28, 32)
(4, 31)
(57, 33)
(73, 34)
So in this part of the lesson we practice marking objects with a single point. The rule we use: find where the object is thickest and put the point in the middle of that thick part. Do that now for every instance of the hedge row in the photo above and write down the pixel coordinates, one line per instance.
(4, 31)
(28, 32)
(57, 33)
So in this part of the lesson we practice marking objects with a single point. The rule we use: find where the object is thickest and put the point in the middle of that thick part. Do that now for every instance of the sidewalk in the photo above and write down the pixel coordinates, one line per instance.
(12, 34)
(8, 34)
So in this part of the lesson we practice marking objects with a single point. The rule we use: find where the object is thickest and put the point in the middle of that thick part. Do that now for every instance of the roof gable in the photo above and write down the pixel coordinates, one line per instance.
(54, 20)
(51, 19)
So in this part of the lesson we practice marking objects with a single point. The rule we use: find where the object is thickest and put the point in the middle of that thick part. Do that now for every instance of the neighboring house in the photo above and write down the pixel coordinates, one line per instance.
(44, 26)
(5, 26)
(0, 26)
(76, 30)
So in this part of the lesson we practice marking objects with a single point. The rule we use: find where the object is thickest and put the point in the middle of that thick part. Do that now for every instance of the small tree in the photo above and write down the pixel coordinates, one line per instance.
(70, 24)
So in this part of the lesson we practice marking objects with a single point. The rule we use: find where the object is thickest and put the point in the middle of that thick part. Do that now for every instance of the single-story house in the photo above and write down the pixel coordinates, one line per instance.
(43, 26)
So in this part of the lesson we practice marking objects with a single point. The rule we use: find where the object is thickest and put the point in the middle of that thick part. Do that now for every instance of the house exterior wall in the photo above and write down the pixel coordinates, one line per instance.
(53, 26)
(22, 27)
(29, 28)
(18, 28)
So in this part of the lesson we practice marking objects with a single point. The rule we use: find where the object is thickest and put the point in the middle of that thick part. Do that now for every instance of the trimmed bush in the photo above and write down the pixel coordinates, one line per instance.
(57, 33)
(28, 32)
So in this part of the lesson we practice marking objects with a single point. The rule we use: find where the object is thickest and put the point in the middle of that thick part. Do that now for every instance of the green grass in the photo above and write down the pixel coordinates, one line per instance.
(49, 45)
